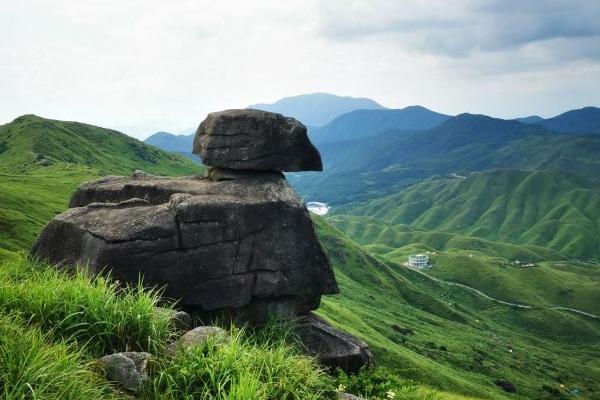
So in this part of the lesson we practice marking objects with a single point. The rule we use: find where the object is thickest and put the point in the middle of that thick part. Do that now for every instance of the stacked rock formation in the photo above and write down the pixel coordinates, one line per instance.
(238, 241)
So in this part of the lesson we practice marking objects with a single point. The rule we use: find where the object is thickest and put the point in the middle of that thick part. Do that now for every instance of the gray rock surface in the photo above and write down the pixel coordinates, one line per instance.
(255, 140)
(244, 246)
(332, 348)
(128, 369)
(181, 320)
(197, 337)
(348, 396)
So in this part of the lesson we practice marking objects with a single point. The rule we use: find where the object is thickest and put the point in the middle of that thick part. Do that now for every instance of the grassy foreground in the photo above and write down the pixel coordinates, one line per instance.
(53, 326)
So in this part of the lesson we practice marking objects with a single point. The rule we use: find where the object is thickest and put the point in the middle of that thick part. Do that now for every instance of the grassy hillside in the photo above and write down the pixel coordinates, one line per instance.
(43, 161)
(552, 209)
(486, 265)
(30, 142)
(459, 341)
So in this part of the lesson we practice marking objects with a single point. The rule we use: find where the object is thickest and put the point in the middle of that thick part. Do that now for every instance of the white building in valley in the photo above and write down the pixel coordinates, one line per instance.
(418, 261)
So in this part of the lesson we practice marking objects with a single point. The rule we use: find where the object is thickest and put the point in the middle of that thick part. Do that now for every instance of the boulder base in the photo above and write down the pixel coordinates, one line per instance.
(244, 247)
(333, 348)
(255, 140)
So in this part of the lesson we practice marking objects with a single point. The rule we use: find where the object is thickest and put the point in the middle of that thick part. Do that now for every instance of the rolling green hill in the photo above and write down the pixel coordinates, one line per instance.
(29, 143)
(451, 338)
(552, 209)
(43, 161)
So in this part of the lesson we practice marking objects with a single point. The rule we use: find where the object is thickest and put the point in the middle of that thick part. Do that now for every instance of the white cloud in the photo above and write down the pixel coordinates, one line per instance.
(153, 65)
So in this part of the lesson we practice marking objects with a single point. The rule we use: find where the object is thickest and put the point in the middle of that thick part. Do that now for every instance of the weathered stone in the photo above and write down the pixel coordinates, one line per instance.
(128, 369)
(333, 348)
(255, 140)
(348, 396)
(180, 320)
(244, 247)
(197, 337)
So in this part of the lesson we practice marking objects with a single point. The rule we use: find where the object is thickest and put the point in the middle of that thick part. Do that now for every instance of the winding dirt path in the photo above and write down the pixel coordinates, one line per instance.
(508, 303)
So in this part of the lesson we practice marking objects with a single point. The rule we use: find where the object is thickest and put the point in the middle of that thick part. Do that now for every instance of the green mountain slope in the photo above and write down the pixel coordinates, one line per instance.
(552, 209)
(43, 161)
(485, 265)
(582, 121)
(29, 140)
(460, 341)
(377, 166)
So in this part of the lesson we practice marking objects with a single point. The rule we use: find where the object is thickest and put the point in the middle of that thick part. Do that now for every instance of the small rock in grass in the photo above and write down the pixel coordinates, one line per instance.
(348, 396)
(180, 320)
(506, 385)
(128, 369)
(196, 337)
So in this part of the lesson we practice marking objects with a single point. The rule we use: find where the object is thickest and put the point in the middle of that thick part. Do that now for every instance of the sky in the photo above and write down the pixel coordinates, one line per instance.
(148, 65)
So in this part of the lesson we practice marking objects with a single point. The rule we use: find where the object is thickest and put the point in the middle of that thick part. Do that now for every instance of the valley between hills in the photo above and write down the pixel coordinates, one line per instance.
(482, 196)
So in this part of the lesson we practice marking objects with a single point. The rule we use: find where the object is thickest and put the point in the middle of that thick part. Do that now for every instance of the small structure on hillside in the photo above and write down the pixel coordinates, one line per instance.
(418, 261)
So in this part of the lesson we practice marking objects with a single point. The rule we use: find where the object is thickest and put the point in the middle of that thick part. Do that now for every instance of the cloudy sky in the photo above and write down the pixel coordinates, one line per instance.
(148, 65)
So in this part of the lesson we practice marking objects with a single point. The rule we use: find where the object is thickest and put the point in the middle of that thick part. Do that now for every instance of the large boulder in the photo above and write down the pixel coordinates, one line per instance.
(255, 140)
(333, 348)
(243, 246)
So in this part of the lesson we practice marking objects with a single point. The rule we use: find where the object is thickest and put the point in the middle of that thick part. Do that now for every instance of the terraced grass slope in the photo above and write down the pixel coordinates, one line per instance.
(451, 338)
(552, 209)
(43, 161)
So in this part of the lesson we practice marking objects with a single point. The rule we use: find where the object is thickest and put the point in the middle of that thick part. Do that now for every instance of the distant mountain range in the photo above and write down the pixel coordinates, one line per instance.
(582, 121)
(370, 167)
(178, 143)
(340, 120)
(366, 123)
(317, 109)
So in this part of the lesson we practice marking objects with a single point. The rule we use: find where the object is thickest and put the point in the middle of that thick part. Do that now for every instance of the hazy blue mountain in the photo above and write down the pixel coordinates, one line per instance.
(177, 143)
(370, 167)
(532, 119)
(581, 121)
(365, 123)
(317, 109)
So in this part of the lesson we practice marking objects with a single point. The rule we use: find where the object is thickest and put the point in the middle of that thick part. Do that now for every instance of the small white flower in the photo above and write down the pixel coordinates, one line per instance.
(390, 395)
(341, 388)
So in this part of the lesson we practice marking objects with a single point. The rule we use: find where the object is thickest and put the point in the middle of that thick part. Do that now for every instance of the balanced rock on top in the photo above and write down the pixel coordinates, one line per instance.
(237, 242)
(255, 140)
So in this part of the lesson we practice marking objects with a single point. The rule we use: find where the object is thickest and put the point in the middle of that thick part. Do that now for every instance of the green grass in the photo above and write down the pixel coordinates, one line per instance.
(94, 312)
(32, 366)
(461, 342)
(241, 368)
(53, 325)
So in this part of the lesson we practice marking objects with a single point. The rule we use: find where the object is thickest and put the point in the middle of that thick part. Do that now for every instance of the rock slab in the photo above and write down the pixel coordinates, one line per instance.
(243, 246)
(333, 348)
(255, 140)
